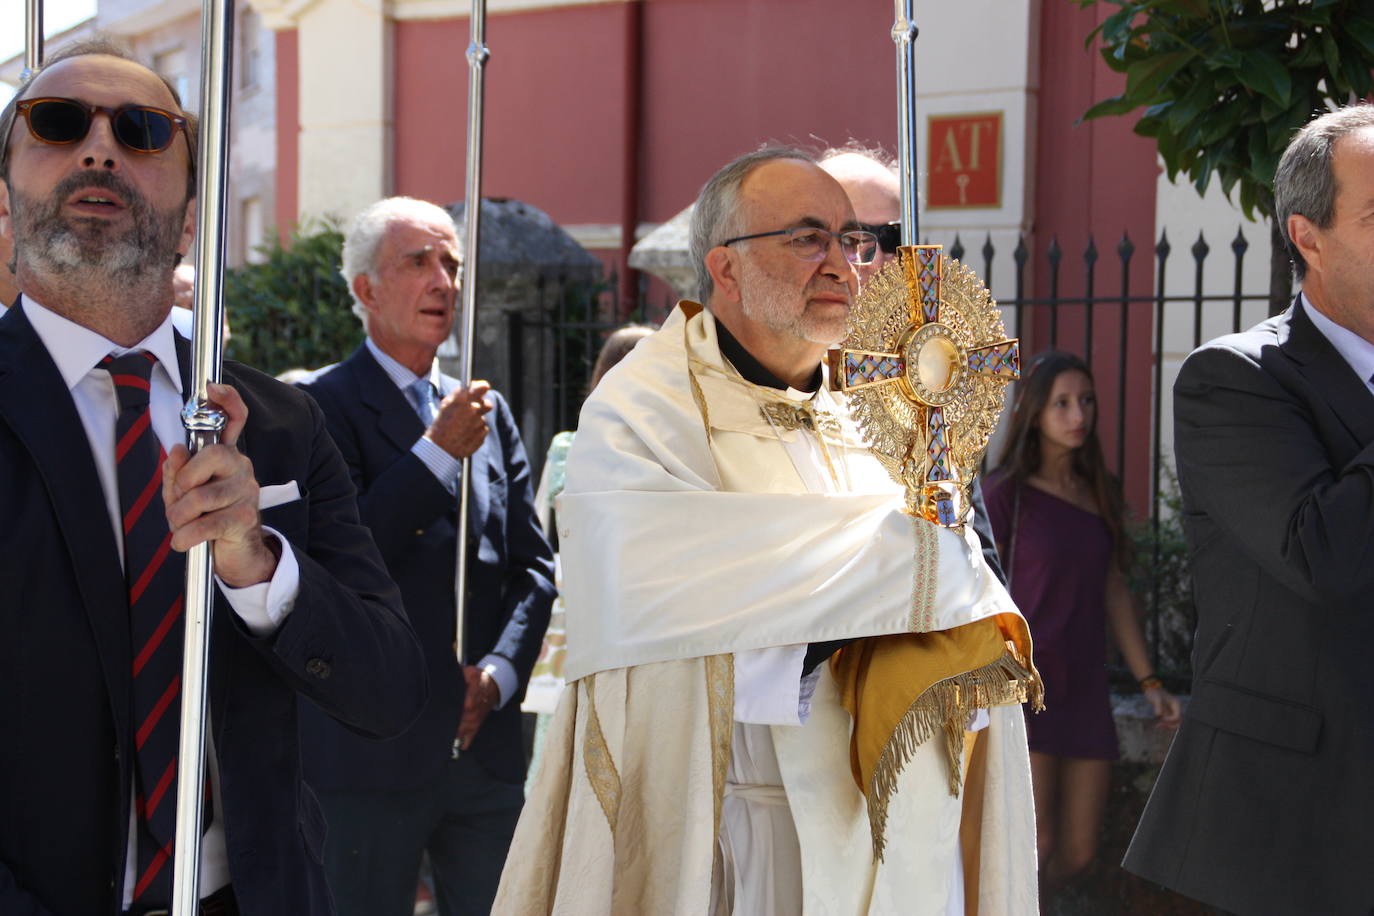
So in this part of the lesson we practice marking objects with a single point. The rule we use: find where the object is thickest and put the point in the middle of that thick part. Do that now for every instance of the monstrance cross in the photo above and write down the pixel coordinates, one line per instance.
(925, 365)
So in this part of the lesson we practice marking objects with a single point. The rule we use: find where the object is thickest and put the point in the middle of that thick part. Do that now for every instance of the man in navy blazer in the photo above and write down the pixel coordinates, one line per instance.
(99, 215)
(403, 428)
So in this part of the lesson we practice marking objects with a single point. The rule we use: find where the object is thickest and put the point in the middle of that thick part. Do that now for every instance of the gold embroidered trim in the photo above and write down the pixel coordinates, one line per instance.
(791, 416)
(596, 757)
(946, 705)
(720, 700)
(697, 394)
(925, 568)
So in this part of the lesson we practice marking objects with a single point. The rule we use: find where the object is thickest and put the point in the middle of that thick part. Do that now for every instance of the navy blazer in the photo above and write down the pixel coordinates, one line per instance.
(1265, 804)
(414, 521)
(65, 657)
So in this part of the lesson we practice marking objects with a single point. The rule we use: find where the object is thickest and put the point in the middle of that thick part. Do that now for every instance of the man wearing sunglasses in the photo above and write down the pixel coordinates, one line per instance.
(100, 500)
(724, 533)
(870, 179)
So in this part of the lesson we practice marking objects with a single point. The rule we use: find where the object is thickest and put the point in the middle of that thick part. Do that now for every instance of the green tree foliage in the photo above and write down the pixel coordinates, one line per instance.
(1221, 85)
(292, 310)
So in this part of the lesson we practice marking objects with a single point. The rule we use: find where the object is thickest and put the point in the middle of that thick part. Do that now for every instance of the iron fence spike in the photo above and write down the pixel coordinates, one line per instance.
(1200, 248)
(1239, 244)
(1125, 248)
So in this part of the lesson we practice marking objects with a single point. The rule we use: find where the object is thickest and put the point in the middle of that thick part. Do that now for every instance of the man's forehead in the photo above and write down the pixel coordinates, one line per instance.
(102, 79)
(1352, 156)
(792, 189)
(411, 234)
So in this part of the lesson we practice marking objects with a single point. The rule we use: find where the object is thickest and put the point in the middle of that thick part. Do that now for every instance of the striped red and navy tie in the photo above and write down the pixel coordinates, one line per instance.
(155, 577)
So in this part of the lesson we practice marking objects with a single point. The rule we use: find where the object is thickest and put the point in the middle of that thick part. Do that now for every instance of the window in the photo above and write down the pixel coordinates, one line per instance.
(172, 65)
(250, 49)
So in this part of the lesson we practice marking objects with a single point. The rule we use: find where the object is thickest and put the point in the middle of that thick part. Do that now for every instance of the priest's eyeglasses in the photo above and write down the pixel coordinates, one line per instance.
(811, 243)
(140, 128)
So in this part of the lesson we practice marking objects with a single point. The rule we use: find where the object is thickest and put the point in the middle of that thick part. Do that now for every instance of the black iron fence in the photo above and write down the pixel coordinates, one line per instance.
(1129, 314)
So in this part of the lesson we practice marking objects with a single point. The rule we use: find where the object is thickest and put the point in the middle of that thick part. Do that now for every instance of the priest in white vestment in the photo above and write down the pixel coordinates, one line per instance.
(788, 695)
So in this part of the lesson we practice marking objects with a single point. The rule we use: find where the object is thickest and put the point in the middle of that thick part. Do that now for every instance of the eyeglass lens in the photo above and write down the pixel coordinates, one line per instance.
(810, 244)
(141, 129)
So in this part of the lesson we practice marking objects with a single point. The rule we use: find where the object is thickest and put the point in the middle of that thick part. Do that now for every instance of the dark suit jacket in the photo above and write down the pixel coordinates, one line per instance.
(414, 520)
(65, 659)
(1266, 803)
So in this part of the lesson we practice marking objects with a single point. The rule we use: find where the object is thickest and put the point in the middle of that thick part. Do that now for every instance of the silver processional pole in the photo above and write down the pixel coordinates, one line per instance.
(477, 55)
(904, 32)
(33, 39)
(203, 422)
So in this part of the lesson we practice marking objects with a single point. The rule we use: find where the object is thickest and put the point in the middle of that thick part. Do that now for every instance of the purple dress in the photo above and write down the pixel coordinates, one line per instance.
(1058, 575)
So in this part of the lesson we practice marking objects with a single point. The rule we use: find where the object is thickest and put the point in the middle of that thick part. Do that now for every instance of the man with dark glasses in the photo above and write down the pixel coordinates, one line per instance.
(869, 178)
(100, 500)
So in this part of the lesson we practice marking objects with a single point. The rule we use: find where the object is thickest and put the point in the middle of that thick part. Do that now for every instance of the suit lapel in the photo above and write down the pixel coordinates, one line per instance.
(35, 403)
(183, 347)
(1321, 364)
(396, 419)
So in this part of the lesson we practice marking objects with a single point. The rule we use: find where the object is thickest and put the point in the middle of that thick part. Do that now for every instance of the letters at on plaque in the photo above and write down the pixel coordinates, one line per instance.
(964, 161)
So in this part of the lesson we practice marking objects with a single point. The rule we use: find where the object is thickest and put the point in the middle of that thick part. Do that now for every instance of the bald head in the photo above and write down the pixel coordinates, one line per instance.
(872, 187)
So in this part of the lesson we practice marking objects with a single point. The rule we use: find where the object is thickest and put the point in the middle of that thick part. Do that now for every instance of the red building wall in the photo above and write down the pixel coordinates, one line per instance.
(719, 78)
(1095, 178)
(288, 130)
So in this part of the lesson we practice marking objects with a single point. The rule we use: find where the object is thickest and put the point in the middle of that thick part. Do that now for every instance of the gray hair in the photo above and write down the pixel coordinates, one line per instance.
(716, 215)
(363, 243)
(1304, 183)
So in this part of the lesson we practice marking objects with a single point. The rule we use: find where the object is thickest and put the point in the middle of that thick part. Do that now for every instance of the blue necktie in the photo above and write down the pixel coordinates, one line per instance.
(426, 400)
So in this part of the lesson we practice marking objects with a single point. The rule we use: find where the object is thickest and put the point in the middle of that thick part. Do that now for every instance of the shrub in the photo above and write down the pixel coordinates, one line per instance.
(292, 310)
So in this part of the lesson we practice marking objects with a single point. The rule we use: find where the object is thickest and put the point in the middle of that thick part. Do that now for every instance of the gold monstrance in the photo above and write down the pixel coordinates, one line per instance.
(925, 365)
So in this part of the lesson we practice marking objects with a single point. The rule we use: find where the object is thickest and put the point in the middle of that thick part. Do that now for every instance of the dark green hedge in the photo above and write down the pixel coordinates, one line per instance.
(292, 310)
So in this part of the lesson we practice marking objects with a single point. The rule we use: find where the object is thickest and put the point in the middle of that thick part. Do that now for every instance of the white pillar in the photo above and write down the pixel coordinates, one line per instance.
(346, 126)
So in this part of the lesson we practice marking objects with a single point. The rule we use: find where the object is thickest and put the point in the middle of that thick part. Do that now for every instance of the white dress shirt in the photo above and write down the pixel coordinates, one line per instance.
(76, 350)
(447, 470)
(1354, 349)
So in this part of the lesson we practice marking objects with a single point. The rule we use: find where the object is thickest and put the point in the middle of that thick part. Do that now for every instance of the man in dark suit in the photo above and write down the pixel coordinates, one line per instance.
(1265, 803)
(97, 171)
(403, 428)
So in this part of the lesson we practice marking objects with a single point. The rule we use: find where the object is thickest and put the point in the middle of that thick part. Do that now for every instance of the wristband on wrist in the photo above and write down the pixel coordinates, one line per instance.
(1150, 681)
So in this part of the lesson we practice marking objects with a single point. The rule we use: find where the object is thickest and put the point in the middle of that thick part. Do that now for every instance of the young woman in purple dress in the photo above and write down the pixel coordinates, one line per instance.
(1058, 518)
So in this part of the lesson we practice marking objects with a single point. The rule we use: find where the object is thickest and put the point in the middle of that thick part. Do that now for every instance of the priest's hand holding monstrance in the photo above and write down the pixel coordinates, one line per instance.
(925, 365)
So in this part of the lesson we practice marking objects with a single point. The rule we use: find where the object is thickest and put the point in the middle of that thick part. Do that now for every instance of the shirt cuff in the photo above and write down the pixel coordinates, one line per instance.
(441, 464)
(264, 606)
(503, 673)
(768, 686)
(808, 690)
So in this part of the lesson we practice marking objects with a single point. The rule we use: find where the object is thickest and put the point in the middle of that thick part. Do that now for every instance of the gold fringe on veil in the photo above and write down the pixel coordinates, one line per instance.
(903, 690)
